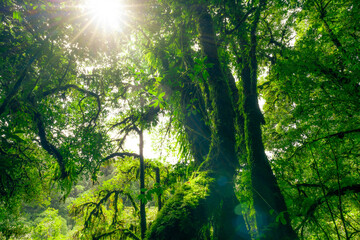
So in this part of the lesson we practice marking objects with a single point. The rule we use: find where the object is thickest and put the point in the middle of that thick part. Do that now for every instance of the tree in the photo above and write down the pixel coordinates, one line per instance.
(312, 116)
(49, 117)
(72, 94)
(50, 226)
(222, 160)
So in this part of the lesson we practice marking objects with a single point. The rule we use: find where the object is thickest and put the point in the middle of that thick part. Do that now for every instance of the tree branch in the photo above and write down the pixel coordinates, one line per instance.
(126, 232)
(50, 148)
(338, 192)
(340, 135)
(242, 20)
(73, 86)
(121, 155)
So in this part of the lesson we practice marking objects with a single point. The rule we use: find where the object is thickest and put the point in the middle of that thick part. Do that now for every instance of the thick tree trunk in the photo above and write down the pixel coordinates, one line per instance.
(268, 200)
(239, 116)
(219, 93)
(222, 161)
(213, 149)
(197, 131)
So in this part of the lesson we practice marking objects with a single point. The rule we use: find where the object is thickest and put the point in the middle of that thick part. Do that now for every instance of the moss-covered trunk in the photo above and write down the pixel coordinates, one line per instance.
(212, 147)
(272, 218)
(222, 161)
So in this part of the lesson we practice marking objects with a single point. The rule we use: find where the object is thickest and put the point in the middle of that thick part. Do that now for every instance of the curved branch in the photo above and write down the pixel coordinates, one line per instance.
(148, 116)
(97, 208)
(73, 86)
(338, 192)
(126, 232)
(133, 203)
(124, 121)
(340, 135)
(122, 155)
(95, 212)
(333, 37)
(66, 71)
(50, 148)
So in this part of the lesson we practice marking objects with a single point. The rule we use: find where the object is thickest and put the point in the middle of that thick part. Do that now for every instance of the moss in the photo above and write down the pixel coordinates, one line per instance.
(184, 215)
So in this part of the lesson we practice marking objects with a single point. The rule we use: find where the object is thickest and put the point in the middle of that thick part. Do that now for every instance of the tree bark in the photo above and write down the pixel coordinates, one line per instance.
(213, 147)
(198, 133)
(268, 199)
(222, 159)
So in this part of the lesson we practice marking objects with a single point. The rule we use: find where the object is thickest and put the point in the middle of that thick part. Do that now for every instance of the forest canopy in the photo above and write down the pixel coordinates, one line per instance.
(257, 100)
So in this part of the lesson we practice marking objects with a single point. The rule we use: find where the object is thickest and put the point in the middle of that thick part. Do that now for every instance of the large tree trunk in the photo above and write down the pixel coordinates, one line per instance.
(219, 143)
(222, 161)
(198, 133)
(213, 149)
(268, 200)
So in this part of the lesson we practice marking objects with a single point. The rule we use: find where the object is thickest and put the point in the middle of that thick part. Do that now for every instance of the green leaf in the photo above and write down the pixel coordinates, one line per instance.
(281, 218)
(16, 15)
(271, 211)
(16, 138)
(155, 104)
(158, 79)
(161, 94)
(178, 52)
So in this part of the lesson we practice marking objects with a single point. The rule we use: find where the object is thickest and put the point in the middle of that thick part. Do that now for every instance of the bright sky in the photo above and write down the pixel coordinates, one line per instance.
(151, 143)
(107, 14)
(132, 144)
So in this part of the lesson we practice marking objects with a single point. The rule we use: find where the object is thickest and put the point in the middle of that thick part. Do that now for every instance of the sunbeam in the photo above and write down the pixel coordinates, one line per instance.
(108, 14)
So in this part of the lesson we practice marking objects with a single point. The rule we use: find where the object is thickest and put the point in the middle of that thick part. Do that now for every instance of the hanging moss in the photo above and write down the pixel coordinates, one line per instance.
(184, 215)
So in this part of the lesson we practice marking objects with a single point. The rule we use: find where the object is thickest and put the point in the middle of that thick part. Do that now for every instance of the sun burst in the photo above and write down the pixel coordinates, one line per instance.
(108, 14)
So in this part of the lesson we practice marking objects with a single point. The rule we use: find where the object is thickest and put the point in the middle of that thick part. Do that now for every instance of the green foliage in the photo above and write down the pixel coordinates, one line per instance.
(11, 225)
(71, 95)
(312, 120)
(183, 215)
(112, 207)
(49, 225)
(102, 211)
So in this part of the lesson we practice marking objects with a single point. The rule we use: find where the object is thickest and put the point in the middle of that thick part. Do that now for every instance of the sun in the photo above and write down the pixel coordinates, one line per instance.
(107, 13)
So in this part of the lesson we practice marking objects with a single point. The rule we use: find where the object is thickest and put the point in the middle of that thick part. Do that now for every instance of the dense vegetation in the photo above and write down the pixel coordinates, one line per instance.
(77, 85)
